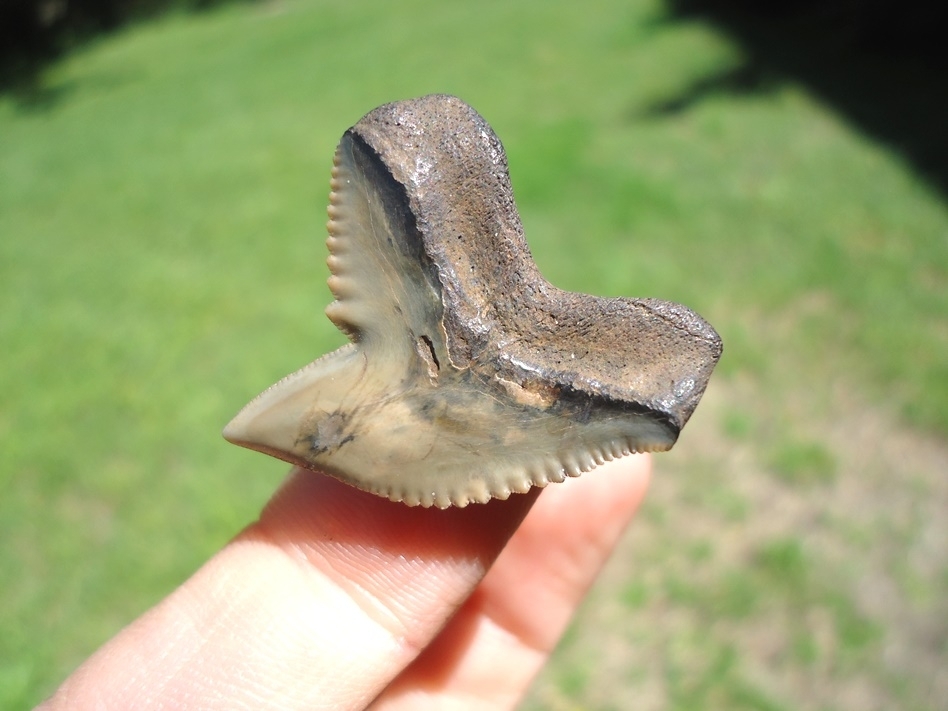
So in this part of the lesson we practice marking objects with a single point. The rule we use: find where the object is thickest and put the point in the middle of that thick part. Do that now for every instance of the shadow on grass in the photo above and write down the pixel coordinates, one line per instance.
(881, 65)
(36, 33)
(749, 78)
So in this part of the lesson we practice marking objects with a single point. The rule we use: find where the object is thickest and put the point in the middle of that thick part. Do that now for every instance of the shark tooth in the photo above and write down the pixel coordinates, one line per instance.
(468, 376)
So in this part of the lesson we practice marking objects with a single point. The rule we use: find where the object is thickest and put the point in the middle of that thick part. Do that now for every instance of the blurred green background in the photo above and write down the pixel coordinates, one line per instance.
(162, 195)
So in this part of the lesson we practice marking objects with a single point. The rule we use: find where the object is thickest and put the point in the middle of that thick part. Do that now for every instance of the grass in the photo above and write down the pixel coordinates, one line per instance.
(161, 261)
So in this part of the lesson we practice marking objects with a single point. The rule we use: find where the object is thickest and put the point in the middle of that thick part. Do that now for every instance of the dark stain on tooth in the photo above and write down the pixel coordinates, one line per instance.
(330, 433)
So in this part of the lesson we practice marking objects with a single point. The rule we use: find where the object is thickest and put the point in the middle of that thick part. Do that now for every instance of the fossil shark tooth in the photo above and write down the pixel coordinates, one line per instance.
(468, 376)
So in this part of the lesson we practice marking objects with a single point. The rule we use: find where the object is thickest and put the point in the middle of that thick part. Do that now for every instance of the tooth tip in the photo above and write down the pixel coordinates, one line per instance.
(232, 432)
(263, 427)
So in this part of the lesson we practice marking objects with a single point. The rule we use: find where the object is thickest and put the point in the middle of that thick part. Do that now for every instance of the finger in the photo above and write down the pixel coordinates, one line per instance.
(318, 605)
(489, 653)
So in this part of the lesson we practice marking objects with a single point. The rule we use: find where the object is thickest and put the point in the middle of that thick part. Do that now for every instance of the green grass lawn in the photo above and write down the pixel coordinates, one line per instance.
(162, 260)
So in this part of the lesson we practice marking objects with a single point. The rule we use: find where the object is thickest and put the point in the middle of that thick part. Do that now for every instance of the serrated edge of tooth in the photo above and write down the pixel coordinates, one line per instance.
(545, 470)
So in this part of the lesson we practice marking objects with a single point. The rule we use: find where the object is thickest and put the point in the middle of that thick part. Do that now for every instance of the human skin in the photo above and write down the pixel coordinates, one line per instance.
(338, 599)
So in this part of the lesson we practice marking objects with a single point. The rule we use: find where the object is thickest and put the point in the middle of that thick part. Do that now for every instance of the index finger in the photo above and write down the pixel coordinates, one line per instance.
(319, 604)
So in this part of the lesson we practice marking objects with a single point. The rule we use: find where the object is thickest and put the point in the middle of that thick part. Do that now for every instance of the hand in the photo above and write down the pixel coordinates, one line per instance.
(337, 599)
